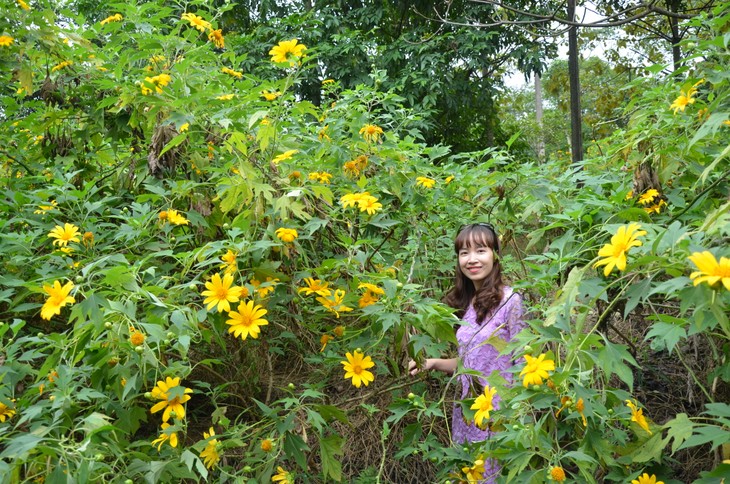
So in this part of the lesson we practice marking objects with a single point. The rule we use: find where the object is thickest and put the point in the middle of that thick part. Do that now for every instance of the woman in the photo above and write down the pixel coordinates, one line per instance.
(488, 309)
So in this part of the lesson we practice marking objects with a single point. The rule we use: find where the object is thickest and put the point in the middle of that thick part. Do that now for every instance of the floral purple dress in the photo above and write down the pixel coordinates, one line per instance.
(476, 354)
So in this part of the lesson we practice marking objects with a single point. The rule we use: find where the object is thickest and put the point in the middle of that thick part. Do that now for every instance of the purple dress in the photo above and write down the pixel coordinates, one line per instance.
(476, 354)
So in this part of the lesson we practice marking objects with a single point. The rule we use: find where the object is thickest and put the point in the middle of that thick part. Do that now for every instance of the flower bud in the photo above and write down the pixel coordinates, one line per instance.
(108, 325)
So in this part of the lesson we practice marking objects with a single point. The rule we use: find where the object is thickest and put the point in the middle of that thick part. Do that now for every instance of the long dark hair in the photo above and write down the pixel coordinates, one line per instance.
(489, 296)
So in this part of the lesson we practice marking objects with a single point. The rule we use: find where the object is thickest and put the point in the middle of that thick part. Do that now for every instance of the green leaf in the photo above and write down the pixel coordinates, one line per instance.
(680, 429)
(665, 335)
(294, 448)
(330, 447)
(173, 143)
(330, 413)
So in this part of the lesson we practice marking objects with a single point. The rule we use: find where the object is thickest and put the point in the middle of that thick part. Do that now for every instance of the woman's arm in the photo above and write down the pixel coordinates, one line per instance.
(446, 365)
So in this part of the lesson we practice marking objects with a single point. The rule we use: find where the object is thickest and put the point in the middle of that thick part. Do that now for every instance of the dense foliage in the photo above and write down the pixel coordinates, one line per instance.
(209, 277)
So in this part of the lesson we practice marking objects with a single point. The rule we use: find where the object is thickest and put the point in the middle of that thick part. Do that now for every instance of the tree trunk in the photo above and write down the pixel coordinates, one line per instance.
(538, 118)
(576, 133)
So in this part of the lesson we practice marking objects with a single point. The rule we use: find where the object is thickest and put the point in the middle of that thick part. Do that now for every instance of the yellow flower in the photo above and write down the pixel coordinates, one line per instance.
(117, 17)
(58, 297)
(267, 445)
(356, 367)
(60, 66)
(536, 369)
(88, 239)
(353, 167)
(685, 98)
(350, 200)
(315, 286)
(281, 52)
(367, 299)
(247, 320)
(637, 415)
(163, 215)
(158, 82)
(339, 331)
(270, 95)
(174, 217)
(449, 179)
(196, 21)
(23, 5)
(46, 208)
(557, 474)
(6, 41)
(64, 235)
(710, 270)
(321, 177)
(322, 135)
(165, 436)
(286, 235)
(226, 97)
(328, 81)
(371, 133)
(483, 405)
(137, 338)
(475, 473)
(184, 127)
(646, 479)
(216, 36)
(283, 476)
(614, 254)
(369, 204)
(231, 72)
(655, 208)
(264, 291)
(324, 340)
(230, 264)
(648, 196)
(173, 395)
(425, 182)
(210, 454)
(6, 412)
(580, 407)
(284, 156)
(221, 293)
(333, 303)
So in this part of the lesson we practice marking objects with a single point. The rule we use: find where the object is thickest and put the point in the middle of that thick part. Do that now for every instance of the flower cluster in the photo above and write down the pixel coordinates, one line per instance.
(173, 216)
(321, 177)
(61, 65)
(364, 201)
(220, 293)
(353, 168)
(117, 17)
(371, 295)
(284, 156)
(231, 72)
(157, 82)
(651, 201)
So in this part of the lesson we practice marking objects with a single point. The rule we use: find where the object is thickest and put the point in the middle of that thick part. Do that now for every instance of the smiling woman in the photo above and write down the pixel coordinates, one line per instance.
(488, 309)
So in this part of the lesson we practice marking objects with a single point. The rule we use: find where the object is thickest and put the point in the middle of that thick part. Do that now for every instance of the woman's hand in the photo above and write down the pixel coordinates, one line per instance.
(413, 368)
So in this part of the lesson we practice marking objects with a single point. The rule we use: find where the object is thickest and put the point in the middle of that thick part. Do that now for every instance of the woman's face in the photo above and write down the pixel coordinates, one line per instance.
(476, 262)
